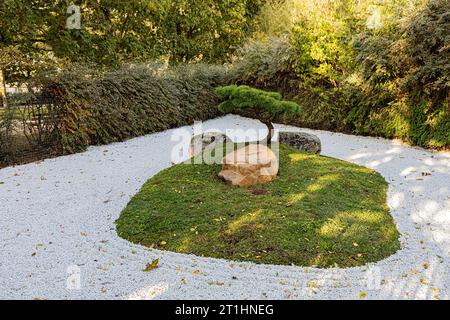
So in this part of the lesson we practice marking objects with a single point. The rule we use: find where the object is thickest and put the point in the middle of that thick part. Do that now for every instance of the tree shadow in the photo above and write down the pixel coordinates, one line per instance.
(310, 204)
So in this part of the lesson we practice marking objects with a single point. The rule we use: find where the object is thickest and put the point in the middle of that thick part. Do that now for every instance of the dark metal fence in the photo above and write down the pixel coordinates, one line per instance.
(29, 130)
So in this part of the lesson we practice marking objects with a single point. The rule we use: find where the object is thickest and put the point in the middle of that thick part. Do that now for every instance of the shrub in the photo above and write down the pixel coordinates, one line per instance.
(264, 105)
(244, 97)
(132, 101)
(268, 64)
(390, 81)
(408, 68)
(85, 106)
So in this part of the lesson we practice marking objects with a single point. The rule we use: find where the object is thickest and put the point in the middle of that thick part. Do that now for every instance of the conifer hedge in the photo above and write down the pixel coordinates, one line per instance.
(131, 102)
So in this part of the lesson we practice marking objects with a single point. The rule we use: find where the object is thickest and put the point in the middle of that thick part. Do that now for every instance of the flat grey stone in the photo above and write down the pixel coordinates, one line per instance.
(206, 141)
(302, 141)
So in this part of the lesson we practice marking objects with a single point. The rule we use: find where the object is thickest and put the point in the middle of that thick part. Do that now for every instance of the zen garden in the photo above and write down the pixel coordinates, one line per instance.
(248, 149)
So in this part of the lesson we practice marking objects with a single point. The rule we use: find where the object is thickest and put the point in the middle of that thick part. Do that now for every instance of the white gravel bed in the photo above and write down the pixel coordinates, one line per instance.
(57, 219)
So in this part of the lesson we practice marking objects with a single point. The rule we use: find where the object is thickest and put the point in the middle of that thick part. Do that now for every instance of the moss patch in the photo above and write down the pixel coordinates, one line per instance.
(319, 212)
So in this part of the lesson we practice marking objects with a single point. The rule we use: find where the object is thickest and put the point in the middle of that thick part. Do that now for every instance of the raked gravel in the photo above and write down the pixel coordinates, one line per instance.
(57, 223)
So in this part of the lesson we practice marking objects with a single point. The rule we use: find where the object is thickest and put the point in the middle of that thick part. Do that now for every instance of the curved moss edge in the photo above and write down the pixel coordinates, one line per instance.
(320, 212)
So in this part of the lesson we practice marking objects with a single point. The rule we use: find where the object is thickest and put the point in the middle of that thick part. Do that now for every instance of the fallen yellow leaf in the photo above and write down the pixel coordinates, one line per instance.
(152, 265)
(216, 283)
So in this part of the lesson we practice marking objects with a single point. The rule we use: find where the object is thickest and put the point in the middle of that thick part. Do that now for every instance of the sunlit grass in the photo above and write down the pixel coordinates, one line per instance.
(319, 211)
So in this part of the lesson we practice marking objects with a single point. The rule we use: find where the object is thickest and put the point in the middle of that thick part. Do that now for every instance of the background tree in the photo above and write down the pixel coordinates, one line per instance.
(3, 102)
(114, 31)
(266, 105)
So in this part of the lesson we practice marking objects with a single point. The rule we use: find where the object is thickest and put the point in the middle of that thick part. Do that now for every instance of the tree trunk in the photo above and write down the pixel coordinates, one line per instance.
(271, 132)
(3, 101)
(269, 138)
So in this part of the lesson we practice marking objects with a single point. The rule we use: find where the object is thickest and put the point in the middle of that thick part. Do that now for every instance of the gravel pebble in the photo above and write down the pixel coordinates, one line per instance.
(57, 225)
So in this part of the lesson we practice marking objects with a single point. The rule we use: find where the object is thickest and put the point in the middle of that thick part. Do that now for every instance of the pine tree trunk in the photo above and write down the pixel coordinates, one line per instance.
(3, 100)
(269, 138)
(271, 132)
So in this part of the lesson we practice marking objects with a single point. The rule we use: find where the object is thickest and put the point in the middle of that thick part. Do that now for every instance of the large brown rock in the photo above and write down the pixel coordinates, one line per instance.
(250, 165)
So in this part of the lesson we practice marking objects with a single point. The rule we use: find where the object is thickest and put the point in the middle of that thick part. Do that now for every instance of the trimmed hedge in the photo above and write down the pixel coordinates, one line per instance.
(85, 106)
(131, 102)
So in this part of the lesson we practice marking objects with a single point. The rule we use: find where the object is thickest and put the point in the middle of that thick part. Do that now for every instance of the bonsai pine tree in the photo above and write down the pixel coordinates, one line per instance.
(266, 105)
